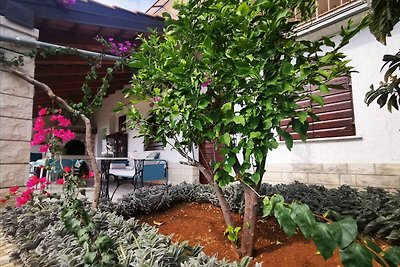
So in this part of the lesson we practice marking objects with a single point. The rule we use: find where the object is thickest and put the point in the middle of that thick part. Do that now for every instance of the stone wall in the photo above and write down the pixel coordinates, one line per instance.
(16, 102)
(178, 173)
(358, 175)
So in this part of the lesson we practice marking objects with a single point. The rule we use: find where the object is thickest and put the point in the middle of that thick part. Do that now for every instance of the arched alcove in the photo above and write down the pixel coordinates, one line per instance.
(74, 147)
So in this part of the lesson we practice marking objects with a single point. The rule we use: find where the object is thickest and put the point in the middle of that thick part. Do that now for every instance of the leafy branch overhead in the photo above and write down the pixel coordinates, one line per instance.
(388, 92)
(385, 14)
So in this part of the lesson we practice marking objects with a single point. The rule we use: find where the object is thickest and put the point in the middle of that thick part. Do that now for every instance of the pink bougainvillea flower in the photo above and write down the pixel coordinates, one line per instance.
(27, 193)
(44, 148)
(38, 138)
(39, 124)
(67, 169)
(91, 174)
(53, 118)
(205, 85)
(60, 181)
(43, 180)
(156, 99)
(42, 111)
(13, 190)
(68, 136)
(63, 122)
(34, 180)
(22, 201)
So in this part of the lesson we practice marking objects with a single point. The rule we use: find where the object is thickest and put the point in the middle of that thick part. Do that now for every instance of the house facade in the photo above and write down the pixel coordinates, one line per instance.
(353, 144)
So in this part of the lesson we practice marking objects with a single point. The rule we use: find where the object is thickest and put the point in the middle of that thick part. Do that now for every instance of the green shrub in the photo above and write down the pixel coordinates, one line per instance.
(375, 210)
(42, 240)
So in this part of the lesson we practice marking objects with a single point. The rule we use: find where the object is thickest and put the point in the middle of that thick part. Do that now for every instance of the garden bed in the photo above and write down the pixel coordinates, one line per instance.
(203, 224)
(190, 212)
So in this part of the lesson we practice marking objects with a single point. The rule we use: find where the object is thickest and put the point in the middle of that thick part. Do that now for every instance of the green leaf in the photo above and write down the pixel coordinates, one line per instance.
(286, 67)
(207, 43)
(267, 207)
(243, 9)
(356, 255)
(231, 161)
(89, 257)
(135, 64)
(392, 255)
(324, 88)
(265, 3)
(103, 242)
(226, 107)
(255, 135)
(119, 107)
(323, 240)
(203, 103)
(318, 99)
(324, 73)
(239, 120)
(255, 177)
(197, 125)
(282, 214)
(304, 218)
(226, 139)
(287, 137)
(276, 198)
(302, 116)
(344, 231)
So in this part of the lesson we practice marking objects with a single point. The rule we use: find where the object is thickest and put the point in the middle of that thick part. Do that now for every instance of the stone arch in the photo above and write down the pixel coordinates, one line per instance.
(75, 147)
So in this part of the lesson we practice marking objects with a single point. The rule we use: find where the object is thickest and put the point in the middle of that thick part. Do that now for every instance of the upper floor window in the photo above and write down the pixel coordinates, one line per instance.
(325, 7)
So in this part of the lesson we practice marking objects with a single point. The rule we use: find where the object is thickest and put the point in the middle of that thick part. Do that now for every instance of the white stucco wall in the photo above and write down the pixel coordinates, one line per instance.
(106, 118)
(377, 131)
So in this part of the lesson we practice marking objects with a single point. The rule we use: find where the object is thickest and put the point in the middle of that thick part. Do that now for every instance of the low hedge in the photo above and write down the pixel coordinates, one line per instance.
(376, 210)
(42, 240)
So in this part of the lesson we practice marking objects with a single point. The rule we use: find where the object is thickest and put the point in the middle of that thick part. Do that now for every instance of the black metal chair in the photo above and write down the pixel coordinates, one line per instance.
(134, 180)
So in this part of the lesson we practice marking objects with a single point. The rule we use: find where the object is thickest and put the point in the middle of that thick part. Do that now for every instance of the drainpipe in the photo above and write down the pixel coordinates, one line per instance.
(34, 43)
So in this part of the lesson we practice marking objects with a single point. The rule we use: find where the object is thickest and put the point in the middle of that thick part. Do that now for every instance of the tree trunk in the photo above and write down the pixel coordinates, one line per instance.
(226, 211)
(90, 151)
(88, 127)
(249, 220)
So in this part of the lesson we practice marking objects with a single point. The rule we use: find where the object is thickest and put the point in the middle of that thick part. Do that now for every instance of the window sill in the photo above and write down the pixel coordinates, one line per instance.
(339, 15)
(328, 139)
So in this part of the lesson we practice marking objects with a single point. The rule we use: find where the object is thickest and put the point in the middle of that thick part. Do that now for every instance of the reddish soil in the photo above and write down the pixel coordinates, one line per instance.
(203, 224)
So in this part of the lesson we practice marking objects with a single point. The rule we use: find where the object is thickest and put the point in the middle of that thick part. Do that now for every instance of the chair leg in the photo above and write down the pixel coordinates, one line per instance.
(118, 184)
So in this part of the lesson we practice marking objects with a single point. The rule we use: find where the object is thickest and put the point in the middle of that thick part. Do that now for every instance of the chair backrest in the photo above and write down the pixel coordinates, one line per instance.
(155, 170)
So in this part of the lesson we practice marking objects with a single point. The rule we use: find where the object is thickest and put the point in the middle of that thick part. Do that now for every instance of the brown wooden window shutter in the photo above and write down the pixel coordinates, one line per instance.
(336, 117)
